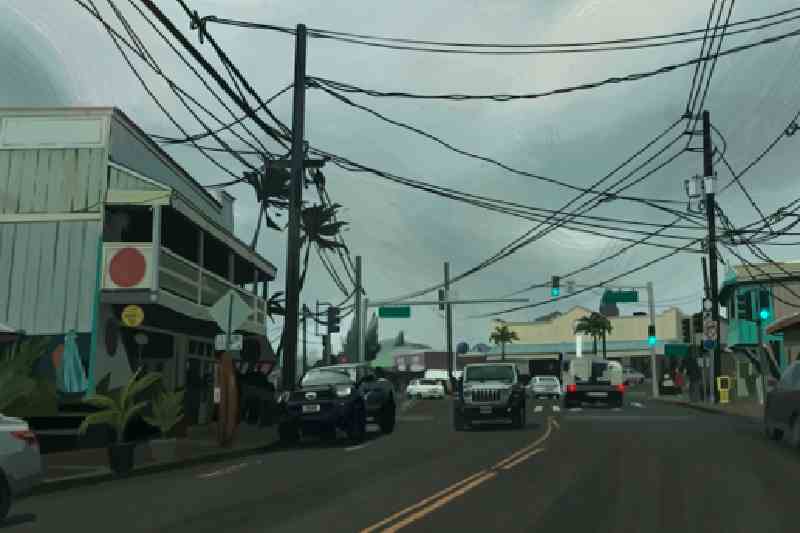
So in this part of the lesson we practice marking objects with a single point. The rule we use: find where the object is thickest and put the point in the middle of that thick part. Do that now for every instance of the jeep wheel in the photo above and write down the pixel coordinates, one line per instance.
(357, 430)
(5, 498)
(288, 433)
(388, 418)
(518, 417)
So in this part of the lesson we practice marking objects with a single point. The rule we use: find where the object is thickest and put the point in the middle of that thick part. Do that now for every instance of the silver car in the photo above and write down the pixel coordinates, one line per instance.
(548, 386)
(20, 461)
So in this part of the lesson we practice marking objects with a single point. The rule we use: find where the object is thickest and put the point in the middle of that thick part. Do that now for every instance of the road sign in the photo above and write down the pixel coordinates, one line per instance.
(620, 297)
(710, 331)
(132, 316)
(399, 311)
(709, 344)
(707, 305)
(237, 341)
(230, 311)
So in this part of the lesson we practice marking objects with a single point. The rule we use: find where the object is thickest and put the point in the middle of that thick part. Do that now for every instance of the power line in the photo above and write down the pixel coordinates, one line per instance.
(345, 87)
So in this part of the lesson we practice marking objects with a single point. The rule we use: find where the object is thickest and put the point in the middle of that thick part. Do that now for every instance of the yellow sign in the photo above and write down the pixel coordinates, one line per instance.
(132, 316)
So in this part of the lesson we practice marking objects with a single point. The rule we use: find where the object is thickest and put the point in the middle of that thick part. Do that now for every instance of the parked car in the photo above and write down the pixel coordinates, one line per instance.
(20, 461)
(332, 397)
(425, 388)
(782, 407)
(547, 386)
(632, 376)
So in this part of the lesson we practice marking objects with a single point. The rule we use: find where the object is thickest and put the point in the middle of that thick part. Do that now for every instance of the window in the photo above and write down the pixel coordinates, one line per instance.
(490, 373)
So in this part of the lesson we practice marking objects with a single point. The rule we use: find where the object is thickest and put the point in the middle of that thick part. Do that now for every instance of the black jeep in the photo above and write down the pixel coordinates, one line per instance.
(335, 397)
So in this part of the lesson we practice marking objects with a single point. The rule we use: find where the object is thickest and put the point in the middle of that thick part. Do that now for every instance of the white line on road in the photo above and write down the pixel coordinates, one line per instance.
(538, 409)
(637, 404)
(575, 409)
(223, 471)
(616, 409)
(358, 447)
(556, 408)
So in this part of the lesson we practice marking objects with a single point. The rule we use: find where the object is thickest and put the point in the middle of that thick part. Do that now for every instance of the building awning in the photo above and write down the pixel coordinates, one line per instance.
(784, 323)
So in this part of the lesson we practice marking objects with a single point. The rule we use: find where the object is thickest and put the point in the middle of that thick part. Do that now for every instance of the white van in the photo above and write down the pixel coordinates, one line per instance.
(586, 379)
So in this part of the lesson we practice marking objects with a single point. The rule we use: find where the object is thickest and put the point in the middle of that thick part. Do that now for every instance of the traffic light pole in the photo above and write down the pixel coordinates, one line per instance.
(357, 318)
(448, 314)
(651, 304)
(708, 174)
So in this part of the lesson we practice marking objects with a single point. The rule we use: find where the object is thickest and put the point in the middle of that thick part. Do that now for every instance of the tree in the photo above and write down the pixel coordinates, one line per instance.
(597, 326)
(502, 335)
(320, 227)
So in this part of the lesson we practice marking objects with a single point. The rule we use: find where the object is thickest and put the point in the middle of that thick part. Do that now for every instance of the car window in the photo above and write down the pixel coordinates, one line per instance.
(326, 377)
(429, 382)
(549, 380)
(490, 373)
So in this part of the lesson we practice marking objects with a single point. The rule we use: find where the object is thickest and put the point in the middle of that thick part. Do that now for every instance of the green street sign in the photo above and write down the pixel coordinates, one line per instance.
(620, 297)
(403, 311)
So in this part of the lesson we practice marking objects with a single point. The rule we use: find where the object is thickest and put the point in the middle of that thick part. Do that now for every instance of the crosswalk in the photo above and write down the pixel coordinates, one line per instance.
(557, 408)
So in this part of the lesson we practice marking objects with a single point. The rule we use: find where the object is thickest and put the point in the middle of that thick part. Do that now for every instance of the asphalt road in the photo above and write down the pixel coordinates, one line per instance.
(646, 467)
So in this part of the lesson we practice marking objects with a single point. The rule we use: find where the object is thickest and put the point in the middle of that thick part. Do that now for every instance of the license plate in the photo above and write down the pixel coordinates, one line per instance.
(597, 394)
(485, 409)
(311, 408)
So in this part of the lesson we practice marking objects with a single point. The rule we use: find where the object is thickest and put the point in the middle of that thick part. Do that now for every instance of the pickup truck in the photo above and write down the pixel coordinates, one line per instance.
(489, 391)
(592, 380)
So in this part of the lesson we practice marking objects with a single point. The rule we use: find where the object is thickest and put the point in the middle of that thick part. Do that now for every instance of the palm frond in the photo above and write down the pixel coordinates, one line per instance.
(110, 418)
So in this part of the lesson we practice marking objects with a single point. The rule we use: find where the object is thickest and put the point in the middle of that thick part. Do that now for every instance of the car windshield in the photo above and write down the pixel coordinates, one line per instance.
(490, 373)
(548, 380)
(429, 382)
(326, 377)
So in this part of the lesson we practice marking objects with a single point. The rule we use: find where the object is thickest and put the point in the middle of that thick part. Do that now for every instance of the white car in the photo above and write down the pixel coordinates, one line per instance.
(630, 375)
(548, 386)
(425, 388)
(20, 461)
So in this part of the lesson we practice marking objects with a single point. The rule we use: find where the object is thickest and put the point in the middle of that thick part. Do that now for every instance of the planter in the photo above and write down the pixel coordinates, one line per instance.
(164, 450)
(120, 458)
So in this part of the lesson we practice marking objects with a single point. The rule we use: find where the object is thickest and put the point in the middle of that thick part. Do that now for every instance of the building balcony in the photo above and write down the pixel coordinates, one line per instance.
(132, 273)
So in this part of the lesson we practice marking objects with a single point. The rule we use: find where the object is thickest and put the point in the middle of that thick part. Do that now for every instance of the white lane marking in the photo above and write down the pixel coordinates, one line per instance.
(358, 447)
(223, 471)
(637, 404)
(538, 409)
(575, 409)
(556, 408)
(616, 409)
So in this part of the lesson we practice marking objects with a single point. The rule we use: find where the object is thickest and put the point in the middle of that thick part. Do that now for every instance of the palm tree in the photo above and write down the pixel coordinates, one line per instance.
(320, 227)
(502, 335)
(595, 325)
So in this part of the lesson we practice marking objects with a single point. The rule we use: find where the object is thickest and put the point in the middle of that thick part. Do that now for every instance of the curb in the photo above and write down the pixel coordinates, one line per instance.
(706, 409)
(93, 479)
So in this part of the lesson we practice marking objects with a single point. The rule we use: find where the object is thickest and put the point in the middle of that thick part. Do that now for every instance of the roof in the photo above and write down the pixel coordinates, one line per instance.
(784, 323)
(566, 347)
(767, 273)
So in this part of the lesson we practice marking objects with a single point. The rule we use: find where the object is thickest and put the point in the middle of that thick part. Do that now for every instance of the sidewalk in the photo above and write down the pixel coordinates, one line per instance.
(748, 409)
(84, 467)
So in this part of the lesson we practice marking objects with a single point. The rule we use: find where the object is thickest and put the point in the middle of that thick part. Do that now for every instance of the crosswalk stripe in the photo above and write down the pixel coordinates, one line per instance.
(538, 409)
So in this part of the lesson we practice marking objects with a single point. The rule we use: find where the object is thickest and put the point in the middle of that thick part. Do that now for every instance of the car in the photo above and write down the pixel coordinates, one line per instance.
(489, 391)
(782, 407)
(425, 388)
(592, 380)
(337, 397)
(20, 461)
(547, 386)
(632, 376)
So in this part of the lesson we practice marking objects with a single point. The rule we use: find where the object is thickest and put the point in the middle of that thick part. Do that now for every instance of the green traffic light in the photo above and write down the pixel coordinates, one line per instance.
(764, 314)
(555, 291)
(651, 341)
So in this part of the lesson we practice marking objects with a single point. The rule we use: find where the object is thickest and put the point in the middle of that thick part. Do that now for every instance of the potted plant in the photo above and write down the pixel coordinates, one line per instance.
(118, 410)
(167, 412)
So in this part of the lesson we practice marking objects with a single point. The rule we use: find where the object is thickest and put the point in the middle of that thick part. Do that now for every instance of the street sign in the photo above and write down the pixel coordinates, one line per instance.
(707, 305)
(710, 331)
(620, 297)
(132, 316)
(237, 341)
(709, 344)
(230, 311)
(398, 311)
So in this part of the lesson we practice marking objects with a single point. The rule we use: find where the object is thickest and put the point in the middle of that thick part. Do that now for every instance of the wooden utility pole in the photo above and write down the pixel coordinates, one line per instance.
(710, 178)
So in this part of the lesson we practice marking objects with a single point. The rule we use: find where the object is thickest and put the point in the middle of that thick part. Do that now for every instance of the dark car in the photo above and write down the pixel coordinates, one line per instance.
(335, 397)
(782, 408)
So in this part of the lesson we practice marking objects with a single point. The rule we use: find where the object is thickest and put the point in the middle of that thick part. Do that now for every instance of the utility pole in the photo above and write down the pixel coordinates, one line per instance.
(762, 357)
(358, 318)
(654, 372)
(448, 315)
(305, 354)
(709, 179)
(295, 206)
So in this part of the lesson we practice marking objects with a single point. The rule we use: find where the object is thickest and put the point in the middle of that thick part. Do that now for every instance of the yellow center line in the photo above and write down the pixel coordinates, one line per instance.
(523, 458)
(435, 505)
(529, 447)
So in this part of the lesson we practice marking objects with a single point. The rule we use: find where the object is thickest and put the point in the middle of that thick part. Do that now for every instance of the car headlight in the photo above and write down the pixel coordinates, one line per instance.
(341, 392)
(284, 397)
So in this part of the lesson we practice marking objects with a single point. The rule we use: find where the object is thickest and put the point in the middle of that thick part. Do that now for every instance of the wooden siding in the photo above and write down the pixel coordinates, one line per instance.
(51, 180)
(119, 179)
(47, 275)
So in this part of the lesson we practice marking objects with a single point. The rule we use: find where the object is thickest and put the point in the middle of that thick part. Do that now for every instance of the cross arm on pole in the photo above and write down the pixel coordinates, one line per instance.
(390, 303)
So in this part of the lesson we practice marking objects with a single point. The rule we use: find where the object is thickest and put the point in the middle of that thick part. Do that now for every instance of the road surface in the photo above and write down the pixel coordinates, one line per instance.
(645, 467)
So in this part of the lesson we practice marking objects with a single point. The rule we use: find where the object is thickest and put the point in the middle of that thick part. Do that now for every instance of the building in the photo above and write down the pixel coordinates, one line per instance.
(627, 342)
(94, 217)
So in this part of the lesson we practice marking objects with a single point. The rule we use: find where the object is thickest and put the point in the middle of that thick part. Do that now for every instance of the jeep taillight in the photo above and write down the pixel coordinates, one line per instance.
(572, 388)
(28, 436)
(621, 387)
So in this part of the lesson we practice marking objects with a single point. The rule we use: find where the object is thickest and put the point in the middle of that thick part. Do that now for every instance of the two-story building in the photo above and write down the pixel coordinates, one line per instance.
(94, 216)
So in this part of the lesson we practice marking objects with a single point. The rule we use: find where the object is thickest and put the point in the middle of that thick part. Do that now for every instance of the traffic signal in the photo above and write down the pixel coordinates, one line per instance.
(555, 287)
(686, 327)
(744, 309)
(697, 323)
(651, 335)
(333, 319)
(763, 304)
(764, 314)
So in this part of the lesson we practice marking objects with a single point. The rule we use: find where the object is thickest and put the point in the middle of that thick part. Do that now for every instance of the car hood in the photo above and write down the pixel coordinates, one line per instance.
(9, 423)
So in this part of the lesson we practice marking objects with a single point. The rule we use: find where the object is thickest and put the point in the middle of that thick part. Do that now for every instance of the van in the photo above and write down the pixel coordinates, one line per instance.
(586, 379)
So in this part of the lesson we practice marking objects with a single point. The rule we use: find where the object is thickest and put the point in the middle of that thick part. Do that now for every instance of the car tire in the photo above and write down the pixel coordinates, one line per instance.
(5, 497)
(357, 430)
(771, 431)
(288, 433)
(388, 418)
(794, 436)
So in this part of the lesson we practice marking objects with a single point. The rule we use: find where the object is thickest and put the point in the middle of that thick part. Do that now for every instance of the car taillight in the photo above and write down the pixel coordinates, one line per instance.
(621, 387)
(28, 436)
(572, 387)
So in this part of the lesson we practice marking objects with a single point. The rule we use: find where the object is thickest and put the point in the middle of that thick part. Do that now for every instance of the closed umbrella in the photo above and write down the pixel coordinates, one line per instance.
(72, 373)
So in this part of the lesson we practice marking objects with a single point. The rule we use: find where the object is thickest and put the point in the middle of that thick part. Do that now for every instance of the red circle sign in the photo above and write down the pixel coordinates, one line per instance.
(127, 267)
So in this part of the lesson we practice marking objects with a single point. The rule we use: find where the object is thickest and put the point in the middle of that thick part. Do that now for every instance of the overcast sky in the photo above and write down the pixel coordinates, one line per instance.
(54, 53)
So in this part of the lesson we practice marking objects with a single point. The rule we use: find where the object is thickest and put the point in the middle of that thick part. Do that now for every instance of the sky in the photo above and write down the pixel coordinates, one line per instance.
(55, 53)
